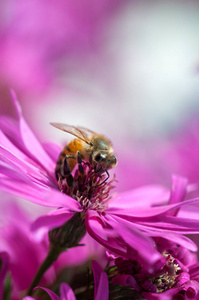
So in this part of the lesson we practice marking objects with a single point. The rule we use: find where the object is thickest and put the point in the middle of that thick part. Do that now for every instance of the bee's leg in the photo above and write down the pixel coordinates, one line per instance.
(97, 170)
(65, 171)
(79, 161)
(105, 178)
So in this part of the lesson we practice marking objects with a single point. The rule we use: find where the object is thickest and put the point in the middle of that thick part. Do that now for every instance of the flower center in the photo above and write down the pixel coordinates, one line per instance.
(167, 279)
(91, 189)
(162, 280)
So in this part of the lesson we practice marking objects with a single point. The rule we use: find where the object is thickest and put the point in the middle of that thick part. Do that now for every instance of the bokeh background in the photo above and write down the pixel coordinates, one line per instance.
(128, 69)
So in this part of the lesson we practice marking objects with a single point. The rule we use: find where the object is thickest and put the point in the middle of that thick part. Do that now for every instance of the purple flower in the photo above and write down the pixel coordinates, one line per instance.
(178, 278)
(101, 288)
(124, 223)
(36, 36)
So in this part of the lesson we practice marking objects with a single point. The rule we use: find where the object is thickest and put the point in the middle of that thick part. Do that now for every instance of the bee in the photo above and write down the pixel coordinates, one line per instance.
(89, 146)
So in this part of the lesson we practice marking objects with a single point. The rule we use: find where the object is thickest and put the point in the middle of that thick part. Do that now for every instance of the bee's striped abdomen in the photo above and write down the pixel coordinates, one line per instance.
(69, 152)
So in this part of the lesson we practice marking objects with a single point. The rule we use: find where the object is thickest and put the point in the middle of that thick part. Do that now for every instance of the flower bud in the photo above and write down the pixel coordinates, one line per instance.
(69, 234)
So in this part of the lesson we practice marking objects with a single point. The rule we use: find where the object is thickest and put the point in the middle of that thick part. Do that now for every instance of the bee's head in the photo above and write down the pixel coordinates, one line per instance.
(104, 161)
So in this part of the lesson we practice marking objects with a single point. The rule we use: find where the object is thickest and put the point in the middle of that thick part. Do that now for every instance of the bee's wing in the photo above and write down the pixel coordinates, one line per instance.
(87, 131)
(80, 132)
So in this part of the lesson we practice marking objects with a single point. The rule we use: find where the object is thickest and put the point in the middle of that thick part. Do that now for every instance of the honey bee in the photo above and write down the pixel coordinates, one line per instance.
(93, 148)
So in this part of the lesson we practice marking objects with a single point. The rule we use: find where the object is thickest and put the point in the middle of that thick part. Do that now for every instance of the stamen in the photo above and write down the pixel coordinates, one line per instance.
(169, 278)
(162, 280)
(90, 189)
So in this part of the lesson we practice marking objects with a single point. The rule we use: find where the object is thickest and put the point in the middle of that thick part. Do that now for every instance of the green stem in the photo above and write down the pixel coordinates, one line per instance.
(51, 257)
(61, 238)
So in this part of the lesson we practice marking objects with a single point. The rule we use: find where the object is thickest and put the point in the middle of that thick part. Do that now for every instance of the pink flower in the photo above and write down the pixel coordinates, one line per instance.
(101, 288)
(37, 36)
(178, 278)
(125, 223)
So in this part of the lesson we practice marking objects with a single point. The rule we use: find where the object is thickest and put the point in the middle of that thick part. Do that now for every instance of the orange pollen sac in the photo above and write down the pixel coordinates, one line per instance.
(90, 189)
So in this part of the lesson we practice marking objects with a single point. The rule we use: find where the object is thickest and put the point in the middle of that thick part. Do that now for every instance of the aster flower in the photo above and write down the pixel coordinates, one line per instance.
(177, 278)
(123, 223)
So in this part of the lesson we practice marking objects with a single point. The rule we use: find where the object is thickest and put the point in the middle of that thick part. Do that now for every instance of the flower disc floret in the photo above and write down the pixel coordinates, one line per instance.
(174, 279)
(90, 189)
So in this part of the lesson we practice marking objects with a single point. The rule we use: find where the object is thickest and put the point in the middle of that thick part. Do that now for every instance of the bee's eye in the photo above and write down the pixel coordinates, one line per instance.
(114, 160)
(99, 157)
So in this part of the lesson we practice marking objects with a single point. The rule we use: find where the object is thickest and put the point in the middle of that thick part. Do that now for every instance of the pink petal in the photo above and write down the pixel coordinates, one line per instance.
(44, 196)
(17, 163)
(178, 239)
(31, 145)
(17, 106)
(178, 191)
(126, 280)
(35, 148)
(101, 288)
(183, 225)
(9, 146)
(52, 220)
(139, 241)
(97, 270)
(66, 292)
(151, 211)
(9, 127)
(53, 150)
(52, 295)
(144, 196)
(124, 240)
(171, 231)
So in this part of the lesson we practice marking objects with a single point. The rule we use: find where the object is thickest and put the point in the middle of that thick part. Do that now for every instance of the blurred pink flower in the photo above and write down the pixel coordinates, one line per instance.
(124, 224)
(178, 278)
(36, 37)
